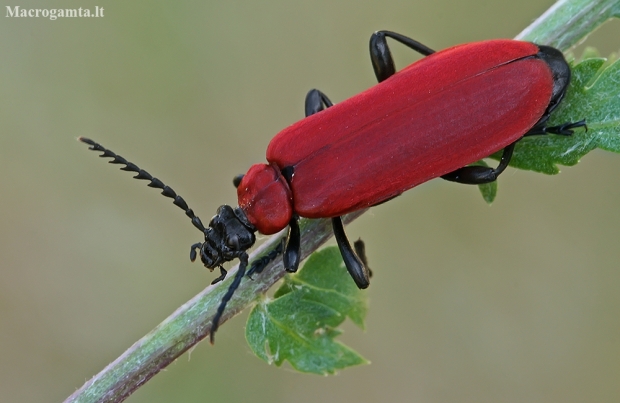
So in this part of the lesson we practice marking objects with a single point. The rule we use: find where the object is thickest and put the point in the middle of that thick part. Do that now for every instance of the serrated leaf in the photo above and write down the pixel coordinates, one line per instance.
(593, 95)
(299, 324)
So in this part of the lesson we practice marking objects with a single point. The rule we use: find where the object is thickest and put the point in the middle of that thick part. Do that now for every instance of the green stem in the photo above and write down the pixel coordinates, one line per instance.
(568, 22)
(562, 26)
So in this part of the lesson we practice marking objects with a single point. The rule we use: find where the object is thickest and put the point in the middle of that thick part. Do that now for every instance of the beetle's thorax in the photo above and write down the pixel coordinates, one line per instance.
(266, 198)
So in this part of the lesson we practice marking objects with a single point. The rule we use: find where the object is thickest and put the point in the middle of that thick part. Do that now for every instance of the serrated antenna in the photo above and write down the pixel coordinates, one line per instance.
(143, 175)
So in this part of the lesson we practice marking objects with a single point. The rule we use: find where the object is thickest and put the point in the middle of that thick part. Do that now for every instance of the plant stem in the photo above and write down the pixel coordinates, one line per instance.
(568, 22)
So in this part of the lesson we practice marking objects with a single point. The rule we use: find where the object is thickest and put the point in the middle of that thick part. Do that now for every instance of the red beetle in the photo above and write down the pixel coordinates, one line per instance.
(431, 119)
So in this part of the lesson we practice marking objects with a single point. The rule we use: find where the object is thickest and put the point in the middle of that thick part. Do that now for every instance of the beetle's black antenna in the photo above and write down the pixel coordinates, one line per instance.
(142, 174)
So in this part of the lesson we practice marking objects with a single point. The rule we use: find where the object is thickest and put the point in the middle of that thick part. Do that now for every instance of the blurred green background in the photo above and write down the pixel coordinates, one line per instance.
(510, 303)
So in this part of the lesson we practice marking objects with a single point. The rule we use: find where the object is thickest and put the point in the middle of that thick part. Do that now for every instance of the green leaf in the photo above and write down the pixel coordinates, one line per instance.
(299, 324)
(593, 95)
(488, 190)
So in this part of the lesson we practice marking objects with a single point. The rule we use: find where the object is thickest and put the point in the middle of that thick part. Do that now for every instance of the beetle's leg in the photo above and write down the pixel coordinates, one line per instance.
(477, 175)
(243, 264)
(565, 129)
(360, 251)
(258, 265)
(292, 251)
(316, 101)
(381, 57)
(354, 264)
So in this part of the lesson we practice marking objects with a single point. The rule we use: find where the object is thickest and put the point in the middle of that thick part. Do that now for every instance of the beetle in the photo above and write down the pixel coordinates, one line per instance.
(431, 119)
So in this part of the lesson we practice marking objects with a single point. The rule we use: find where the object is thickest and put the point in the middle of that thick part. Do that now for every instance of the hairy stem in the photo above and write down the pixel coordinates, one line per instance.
(568, 22)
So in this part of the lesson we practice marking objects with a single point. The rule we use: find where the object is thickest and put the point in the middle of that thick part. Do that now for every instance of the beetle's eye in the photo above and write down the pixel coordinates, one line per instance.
(237, 180)
(233, 242)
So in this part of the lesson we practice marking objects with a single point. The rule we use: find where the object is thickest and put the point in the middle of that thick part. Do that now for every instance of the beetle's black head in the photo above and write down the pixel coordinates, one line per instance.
(228, 236)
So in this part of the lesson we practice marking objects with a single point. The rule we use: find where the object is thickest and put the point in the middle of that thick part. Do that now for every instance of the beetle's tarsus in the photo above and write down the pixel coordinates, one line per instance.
(478, 174)
(566, 129)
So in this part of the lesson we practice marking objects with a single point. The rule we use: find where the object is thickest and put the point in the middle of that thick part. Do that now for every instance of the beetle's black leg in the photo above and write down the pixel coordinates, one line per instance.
(316, 101)
(477, 175)
(243, 263)
(258, 265)
(292, 251)
(360, 251)
(381, 57)
(565, 129)
(354, 264)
